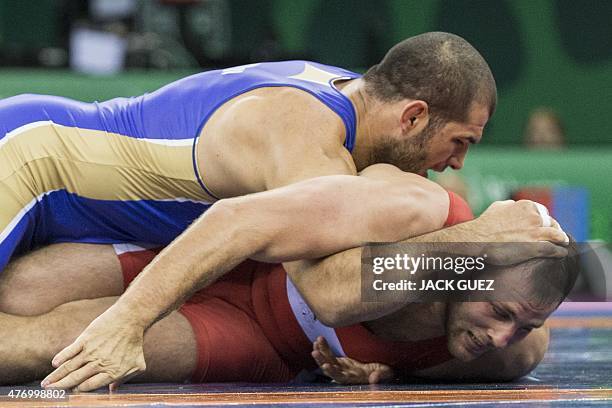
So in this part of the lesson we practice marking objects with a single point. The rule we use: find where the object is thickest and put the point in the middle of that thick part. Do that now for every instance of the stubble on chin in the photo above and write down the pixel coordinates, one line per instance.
(409, 156)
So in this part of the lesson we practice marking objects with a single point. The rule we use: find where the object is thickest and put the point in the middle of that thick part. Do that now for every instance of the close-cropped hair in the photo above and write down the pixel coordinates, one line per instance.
(552, 279)
(439, 68)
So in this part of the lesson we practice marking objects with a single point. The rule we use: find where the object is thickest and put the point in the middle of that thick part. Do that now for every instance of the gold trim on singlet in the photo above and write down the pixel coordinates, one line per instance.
(42, 157)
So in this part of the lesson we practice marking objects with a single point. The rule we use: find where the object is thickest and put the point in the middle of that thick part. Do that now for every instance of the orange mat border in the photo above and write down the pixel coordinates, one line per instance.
(324, 397)
(579, 322)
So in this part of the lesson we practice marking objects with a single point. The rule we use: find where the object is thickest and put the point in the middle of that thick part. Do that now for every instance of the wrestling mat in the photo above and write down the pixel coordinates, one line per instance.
(576, 372)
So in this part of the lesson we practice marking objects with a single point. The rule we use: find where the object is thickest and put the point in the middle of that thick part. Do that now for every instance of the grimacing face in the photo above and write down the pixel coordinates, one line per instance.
(473, 328)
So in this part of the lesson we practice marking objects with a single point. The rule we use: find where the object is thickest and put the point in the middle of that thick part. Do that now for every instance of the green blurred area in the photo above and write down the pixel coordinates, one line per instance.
(493, 173)
(28, 23)
(83, 87)
(552, 53)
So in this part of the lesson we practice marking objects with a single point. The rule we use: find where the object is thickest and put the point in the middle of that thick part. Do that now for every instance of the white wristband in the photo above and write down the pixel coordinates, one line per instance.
(543, 214)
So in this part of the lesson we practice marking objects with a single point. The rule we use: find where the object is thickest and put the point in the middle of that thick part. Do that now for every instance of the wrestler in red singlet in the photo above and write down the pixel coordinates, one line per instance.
(252, 325)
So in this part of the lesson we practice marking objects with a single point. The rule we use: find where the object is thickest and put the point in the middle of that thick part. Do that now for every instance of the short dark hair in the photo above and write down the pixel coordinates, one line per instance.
(439, 68)
(552, 279)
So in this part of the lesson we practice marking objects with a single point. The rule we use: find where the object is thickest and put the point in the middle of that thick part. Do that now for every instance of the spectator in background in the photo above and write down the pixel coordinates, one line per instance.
(544, 130)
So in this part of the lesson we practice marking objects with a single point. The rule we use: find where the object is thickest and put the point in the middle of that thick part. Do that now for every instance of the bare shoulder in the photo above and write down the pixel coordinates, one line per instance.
(280, 114)
(270, 137)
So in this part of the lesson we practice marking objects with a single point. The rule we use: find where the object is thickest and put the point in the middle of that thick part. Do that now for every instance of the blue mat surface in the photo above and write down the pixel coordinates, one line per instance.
(576, 372)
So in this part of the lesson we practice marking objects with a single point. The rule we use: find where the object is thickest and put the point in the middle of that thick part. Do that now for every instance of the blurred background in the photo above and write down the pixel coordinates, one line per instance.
(550, 139)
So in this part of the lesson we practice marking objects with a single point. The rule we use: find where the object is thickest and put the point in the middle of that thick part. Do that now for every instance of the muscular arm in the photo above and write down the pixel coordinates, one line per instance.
(277, 143)
(309, 219)
(268, 138)
(341, 273)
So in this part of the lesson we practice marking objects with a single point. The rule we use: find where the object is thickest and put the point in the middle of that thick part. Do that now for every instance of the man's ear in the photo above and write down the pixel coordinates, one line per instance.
(415, 116)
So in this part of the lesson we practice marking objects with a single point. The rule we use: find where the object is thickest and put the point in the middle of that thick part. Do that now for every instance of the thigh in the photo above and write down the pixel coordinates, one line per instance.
(48, 277)
(169, 345)
(231, 346)
(170, 350)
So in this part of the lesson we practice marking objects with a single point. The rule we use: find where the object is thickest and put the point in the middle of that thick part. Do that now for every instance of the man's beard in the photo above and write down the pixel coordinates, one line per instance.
(409, 155)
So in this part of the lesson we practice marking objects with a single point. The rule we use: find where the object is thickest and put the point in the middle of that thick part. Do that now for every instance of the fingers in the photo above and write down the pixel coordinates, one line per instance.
(321, 353)
(551, 230)
(548, 250)
(556, 225)
(97, 381)
(318, 358)
(543, 211)
(62, 371)
(69, 377)
(334, 372)
(330, 369)
(322, 346)
(66, 354)
(329, 364)
(553, 235)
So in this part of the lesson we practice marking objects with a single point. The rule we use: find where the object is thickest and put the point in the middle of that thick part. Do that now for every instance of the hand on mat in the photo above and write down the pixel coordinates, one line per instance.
(109, 351)
(518, 222)
(345, 370)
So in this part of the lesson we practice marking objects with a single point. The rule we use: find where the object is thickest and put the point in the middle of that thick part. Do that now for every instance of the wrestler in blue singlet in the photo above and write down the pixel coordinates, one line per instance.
(124, 170)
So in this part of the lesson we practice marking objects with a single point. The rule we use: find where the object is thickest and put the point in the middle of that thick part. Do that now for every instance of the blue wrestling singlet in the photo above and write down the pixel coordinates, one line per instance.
(124, 170)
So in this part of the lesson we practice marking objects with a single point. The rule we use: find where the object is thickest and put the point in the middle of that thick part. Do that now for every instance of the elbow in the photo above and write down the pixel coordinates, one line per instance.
(434, 208)
(225, 212)
(332, 311)
(233, 221)
(331, 317)
(424, 210)
(336, 314)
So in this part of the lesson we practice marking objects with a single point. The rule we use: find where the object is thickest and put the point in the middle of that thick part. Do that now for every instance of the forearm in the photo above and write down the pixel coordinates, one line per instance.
(187, 264)
(332, 286)
(305, 220)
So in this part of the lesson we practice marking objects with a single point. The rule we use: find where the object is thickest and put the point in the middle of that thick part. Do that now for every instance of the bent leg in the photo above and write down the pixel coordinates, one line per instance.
(30, 343)
(51, 276)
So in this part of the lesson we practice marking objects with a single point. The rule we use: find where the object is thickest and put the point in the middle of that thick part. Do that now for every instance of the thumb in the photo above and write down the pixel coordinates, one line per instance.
(114, 386)
(374, 377)
(381, 374)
